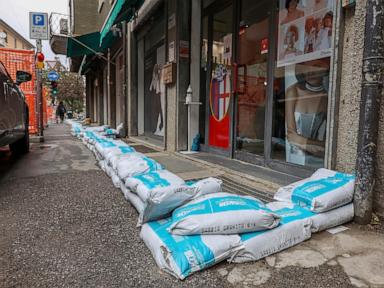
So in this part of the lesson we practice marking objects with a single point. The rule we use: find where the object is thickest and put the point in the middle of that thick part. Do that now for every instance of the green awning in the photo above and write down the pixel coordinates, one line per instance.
(118, 5)
(121, 10)
(83, 45)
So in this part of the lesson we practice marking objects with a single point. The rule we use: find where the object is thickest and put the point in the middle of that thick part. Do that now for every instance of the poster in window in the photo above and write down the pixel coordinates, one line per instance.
(305, 30)
(227, 55)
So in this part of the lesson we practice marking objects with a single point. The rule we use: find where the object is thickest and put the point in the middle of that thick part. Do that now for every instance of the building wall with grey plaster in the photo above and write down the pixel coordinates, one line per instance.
(350, 97)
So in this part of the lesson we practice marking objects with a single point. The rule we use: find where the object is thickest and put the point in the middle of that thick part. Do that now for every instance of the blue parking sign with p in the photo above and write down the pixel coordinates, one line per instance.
(38, 25)
(38, 19)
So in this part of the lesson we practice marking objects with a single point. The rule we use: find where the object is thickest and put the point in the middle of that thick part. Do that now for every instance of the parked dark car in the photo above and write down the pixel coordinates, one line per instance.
(14, 120)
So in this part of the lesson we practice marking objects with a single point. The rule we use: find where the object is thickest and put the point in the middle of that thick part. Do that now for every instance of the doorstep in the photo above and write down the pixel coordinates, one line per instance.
(238, 177)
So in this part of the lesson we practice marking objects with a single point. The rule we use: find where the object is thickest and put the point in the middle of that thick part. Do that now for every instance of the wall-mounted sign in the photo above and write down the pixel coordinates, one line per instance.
(184, 49)
(264, 46)
(171, 51)
(168, 73)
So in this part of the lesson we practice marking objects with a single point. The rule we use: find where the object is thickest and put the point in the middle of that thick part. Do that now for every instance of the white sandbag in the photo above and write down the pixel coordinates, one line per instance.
(161, 205)
(181, 256)
(117, 151)
(118, 142)
(152, 183)
(208, 186)
(332, 218)
(294, 228)
(222, 213)
(114, 160)
(115, 179)
(107, 147)
(132, 198)
(76, 130)
(103, 165)
(101, 147)
(136, 164)
(97, 128)
(321, 221)
(159, 201)
(323, 191)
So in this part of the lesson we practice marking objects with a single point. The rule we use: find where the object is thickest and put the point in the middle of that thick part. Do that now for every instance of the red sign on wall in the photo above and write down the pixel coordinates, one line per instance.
(264, 46)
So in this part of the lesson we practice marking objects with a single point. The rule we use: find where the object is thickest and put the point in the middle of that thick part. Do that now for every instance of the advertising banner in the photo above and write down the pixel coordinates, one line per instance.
(305, 30)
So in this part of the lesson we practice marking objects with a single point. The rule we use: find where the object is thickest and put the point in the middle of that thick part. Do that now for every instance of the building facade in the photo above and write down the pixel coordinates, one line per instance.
(276, 84)
(10, 38)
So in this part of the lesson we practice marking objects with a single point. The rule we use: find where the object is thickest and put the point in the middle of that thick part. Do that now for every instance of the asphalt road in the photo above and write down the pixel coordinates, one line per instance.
(63, 224)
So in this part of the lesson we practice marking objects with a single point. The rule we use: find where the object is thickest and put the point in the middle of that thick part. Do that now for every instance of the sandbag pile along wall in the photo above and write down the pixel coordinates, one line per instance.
(191, 226)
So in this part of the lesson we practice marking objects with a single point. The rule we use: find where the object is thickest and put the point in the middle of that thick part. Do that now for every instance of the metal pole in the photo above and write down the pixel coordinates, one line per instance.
(109, 86)
(39, 94)
(371, 90)
(189, 128)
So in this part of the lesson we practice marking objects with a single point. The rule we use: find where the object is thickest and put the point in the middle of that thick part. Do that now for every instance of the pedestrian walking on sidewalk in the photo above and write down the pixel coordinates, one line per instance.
(60, 112)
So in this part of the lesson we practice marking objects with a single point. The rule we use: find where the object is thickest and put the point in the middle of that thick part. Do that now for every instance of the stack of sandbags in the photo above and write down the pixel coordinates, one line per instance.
(327, 193)
(205, 231)
(191, 226)
(76, 128)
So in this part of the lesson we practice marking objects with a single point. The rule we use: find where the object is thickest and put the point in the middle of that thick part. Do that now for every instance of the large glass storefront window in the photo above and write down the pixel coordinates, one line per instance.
(280, 59)
(154, 88)
(252, 75)
(301, 81)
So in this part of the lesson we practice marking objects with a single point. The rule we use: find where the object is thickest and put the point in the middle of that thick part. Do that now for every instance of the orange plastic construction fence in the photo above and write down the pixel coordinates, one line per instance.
(15, 60)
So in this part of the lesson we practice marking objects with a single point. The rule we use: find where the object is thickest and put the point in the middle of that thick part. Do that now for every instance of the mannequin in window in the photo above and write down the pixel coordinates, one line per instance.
(158, 86)
(306, 111)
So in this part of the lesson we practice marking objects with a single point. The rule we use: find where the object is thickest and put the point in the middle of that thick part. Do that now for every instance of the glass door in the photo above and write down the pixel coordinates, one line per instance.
(252, 74)
(217, 49)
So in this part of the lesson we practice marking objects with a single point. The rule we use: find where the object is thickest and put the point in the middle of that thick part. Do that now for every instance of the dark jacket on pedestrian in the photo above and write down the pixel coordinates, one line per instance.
(60, 111)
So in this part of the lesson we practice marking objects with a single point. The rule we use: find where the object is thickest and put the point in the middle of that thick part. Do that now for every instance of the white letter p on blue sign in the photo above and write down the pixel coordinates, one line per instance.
(38, 20)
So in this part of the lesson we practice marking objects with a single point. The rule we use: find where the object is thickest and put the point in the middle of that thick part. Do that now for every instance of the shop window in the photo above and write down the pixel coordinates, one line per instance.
(252, 75)
(301, 81)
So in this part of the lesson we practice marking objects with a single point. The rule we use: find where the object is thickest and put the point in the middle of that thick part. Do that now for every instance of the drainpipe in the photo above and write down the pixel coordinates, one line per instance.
(125, 76)
(371, 90)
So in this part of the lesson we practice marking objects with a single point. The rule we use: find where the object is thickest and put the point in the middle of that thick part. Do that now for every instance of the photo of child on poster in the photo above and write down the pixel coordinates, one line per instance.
(305, 30)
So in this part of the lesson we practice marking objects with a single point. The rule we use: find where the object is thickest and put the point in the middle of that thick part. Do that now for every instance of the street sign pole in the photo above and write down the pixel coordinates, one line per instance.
(39, 94)
(38, 29)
